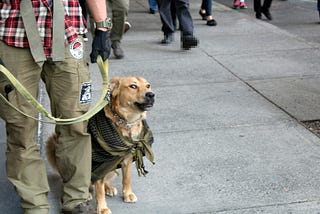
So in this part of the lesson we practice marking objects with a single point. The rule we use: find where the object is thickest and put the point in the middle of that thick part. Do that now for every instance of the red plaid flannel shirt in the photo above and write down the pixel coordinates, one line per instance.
(12, 30)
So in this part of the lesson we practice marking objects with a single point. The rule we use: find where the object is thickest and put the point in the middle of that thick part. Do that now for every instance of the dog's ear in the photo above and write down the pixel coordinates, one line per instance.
(114, 87)
(114, 83)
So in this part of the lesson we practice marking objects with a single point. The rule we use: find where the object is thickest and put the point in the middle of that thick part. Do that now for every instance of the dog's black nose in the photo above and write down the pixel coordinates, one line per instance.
(150, 94)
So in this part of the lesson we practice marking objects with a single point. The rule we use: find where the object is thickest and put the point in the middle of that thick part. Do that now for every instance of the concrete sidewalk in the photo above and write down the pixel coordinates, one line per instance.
(226, 120)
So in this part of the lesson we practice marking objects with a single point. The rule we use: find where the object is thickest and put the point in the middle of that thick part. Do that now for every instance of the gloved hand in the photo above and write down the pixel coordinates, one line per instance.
(101, 45)
(1, 62)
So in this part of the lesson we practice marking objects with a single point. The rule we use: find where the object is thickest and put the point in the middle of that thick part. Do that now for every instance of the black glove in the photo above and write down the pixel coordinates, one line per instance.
(1, 62)
(101, 45)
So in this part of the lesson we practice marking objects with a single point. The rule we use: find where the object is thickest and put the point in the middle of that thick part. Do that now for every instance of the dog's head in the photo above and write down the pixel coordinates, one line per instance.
(131, 95)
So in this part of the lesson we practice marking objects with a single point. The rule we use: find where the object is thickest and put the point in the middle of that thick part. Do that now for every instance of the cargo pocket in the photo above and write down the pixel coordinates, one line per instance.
(10, 94)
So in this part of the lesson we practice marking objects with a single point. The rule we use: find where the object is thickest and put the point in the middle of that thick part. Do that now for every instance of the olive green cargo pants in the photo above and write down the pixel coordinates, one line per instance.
(119, 10)
(24, 166)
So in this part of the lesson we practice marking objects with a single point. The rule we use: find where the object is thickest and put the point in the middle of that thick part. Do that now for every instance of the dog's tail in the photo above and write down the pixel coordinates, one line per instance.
(51, 151)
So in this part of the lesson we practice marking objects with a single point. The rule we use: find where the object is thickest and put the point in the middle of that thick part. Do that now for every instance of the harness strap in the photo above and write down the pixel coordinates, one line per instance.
(58, 31)
(31, 28)
(103, 100)
(33, 35)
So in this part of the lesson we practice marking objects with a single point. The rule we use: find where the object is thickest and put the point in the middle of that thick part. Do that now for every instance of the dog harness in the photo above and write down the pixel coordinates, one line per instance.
(109, 147)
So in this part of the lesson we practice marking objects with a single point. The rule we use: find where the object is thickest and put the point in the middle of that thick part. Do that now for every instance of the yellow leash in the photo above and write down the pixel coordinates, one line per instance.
(103, 100)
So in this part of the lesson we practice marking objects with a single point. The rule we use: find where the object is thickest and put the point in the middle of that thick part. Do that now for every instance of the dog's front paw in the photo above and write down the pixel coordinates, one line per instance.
(130, 197)
(105, 211)
(111, 191)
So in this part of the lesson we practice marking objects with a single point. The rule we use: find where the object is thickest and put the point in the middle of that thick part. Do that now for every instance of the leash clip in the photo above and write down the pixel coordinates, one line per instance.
(108, 95)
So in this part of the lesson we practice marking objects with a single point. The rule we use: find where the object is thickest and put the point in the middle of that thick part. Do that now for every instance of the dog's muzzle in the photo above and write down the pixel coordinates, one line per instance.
(148, 102)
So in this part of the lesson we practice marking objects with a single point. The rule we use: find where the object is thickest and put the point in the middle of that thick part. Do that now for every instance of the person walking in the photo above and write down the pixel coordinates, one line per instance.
(188, 40)
(206, 12)
(153, 6)
(120, 9)
(264, 9)
(239, 4)
(43, 39)
(319, 8)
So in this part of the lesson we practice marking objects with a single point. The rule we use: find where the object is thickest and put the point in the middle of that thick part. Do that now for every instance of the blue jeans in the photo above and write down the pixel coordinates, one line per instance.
(207, 6)
(182, 13)
(153, 4)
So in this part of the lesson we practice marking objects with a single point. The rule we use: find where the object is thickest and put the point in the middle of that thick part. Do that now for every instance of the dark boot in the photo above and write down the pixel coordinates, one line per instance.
(188, 41)
(267, 13)
(167, 39)
(117, 51)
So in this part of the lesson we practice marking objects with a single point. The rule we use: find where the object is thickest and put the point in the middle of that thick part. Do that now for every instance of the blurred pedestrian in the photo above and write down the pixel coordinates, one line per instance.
(264, 9)
(206, 12)
(120, 9)
(239, 4)
(319, 8)
(153, 6)
(188, 40)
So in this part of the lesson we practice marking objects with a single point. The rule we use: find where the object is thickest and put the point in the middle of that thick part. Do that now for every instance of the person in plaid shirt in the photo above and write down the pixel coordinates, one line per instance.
(68, 84)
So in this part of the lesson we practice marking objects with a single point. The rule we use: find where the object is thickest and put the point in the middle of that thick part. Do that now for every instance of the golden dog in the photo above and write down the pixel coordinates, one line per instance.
(120, 135)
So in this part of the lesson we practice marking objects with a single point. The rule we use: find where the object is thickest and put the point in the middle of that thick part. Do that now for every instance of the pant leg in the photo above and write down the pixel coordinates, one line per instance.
(24, 166)
(153, 4)
(184, 17)
(67, 83)
(173, 15)
(257, 6)
(119, 9)
(166, 17)
(203, 5)
(319, 6)
(266, 5)
(208, 7)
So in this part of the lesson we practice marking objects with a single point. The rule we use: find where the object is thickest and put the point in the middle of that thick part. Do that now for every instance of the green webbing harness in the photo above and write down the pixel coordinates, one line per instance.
(31, 28)
(103, 101)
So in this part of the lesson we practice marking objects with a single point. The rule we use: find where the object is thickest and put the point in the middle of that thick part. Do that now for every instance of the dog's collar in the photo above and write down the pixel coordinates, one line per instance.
(123, 123)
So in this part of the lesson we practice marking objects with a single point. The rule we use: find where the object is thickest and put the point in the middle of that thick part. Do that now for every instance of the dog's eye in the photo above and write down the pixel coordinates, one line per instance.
(134, 86)
(148, 85)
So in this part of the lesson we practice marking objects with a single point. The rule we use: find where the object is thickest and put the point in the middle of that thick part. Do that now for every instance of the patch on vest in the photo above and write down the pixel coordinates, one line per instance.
(76, 49)
(85, 94)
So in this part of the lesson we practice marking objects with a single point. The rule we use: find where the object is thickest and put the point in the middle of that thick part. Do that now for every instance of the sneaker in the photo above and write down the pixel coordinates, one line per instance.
(167, 39)
(258, 15)
(203, 15)
(243, 5)
(211, 22)
(126, 26)
(117, 51)
(152, 11)
(189, 41)
(236, 4)
(86, 207)
(85, 38)
(267, 14)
